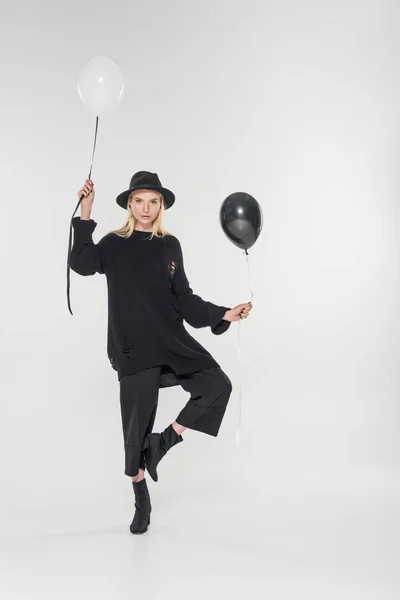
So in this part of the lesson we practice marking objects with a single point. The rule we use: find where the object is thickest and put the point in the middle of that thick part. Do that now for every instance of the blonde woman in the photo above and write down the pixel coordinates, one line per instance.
(149, 298)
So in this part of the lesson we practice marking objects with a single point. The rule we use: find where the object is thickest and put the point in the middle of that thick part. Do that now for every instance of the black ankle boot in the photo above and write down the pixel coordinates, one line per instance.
(156, 445)
(141, 519)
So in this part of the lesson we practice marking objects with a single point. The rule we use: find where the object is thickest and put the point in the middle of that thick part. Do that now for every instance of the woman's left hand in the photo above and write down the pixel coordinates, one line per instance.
(241, 311)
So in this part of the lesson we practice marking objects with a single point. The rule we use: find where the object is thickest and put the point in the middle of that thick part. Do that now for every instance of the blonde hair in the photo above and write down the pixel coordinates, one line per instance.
(128, 228)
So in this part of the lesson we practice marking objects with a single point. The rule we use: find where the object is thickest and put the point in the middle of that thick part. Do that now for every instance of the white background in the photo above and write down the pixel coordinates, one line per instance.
(297, 104)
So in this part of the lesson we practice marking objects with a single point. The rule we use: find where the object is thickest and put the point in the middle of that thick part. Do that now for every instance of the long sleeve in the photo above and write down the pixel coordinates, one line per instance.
(196, 311)
(86, 257)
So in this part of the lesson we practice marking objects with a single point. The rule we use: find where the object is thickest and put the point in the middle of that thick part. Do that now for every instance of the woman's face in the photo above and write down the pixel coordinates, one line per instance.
(145, 205)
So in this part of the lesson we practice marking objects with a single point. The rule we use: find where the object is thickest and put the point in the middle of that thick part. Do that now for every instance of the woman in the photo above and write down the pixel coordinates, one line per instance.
(147, 344)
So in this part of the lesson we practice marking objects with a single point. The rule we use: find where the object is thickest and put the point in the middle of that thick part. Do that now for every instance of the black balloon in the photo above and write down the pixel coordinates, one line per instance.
(241, 219)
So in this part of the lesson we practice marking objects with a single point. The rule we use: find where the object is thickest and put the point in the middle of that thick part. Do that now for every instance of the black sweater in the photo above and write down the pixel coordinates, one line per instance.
(148, 298)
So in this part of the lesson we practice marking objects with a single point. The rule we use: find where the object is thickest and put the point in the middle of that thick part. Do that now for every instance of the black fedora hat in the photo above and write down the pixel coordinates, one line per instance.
(144, 180)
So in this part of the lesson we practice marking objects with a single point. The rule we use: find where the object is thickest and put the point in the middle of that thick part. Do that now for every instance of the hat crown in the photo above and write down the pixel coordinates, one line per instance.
(145, 178)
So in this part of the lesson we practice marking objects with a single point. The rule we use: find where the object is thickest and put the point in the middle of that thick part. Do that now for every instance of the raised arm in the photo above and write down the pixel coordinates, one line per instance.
(86, 257)
(196, 311)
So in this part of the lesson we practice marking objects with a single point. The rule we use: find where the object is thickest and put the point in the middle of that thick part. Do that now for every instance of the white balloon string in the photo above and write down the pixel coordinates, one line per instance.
(246, 257)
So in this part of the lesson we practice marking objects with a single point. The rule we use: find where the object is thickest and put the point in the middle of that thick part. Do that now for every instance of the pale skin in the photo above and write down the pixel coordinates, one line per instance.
(145, 206)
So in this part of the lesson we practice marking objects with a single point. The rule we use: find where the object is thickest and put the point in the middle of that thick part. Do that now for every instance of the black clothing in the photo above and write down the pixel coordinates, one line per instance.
(209, 389)
(148, 298)
(141, 519)
(156, 445)
(138, 396)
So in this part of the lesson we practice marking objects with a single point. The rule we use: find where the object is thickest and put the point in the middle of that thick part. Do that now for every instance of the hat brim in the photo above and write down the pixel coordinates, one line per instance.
(169, 197)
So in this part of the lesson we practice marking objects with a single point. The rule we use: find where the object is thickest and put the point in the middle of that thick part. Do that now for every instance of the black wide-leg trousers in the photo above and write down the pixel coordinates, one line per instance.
(209, 390)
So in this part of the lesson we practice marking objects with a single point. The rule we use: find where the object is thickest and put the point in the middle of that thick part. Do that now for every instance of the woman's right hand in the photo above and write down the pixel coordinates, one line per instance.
(88, 191)
(88, 197)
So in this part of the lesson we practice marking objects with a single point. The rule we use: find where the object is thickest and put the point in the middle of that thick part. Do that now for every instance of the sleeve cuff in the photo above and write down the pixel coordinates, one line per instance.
(83, 229)
(217, 324)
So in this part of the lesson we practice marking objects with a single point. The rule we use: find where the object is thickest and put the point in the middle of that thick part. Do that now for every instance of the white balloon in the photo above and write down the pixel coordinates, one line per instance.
(101, 84)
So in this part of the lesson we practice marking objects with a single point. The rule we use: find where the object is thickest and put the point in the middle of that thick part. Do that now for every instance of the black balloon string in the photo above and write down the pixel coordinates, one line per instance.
(70, 227)
(239, 421)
